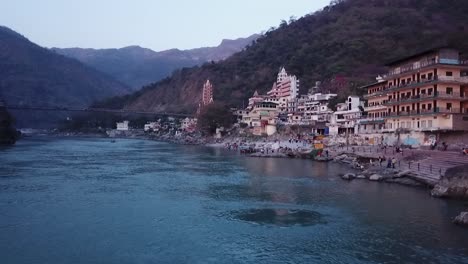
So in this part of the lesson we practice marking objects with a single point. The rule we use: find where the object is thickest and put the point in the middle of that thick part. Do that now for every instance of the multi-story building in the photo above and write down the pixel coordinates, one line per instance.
(122, 126)
(424, 92)
(207, 95)
(345, 119)
(262, 118)
(374, 121)
(286, 89)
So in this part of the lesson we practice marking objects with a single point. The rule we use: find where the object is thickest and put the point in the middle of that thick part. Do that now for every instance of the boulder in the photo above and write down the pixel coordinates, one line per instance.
(440, 191)
(461, 219)
(360, 176)
(375, 177)
(348, 176)
(402, 174)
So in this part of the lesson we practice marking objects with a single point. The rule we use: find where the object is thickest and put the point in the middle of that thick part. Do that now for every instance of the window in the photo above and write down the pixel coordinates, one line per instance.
(423, 106)
(402, 124)
(408, 124)
(449, 90)
(429, 106)
(423, 76)
(419, 124)
(448, 73)
(429, 123)
(449, 106)
(423, 124)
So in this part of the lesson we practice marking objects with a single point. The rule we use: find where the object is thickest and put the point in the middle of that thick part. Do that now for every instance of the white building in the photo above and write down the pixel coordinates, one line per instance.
(345, 119)
(286, 89)
(122, 126)
(152, 126)
(188, 124)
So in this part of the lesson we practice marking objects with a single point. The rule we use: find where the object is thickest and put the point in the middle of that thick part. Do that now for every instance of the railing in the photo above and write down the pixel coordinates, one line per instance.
(462, 80)
(374, 107)
(448, 111)
(375, 151)
(421, 65)
(375, 119)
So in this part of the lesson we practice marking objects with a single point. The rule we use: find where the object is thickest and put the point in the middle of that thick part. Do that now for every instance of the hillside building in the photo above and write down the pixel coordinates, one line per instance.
(122, 126)
(424, 92)
(285, 89)
(345, 119)
(207, 96)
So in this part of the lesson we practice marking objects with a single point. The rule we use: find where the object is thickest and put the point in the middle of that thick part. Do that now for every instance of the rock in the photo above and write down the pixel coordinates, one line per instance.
(461, 219)
(348, 176)
(404, 181)
(360, 176)
(375, 177)
(402, 174)
(440, 191)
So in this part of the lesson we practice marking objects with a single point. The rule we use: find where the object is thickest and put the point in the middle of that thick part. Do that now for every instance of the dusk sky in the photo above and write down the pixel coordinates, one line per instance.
(154, 24)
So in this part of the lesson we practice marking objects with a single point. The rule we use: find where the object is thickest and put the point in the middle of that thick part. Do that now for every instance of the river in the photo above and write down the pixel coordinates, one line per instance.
(134, 201)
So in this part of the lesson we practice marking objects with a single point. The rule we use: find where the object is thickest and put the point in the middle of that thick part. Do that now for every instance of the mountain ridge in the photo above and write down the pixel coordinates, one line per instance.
(137, 66)
(31, 75)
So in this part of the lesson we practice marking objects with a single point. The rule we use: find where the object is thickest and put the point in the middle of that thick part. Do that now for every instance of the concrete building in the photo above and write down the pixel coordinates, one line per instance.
(152, 126)
(207, 96)
(345, 119)
(285, 89)
(122, 126)
(424, 92)
(262, 119)
(188, 124)
(428, 92)
(374, 121)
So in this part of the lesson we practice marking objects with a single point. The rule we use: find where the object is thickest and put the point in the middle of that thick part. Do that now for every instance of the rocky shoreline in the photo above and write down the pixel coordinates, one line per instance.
(378, 173)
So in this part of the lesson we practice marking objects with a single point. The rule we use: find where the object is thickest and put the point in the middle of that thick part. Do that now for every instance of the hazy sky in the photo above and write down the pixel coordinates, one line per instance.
(154, 24)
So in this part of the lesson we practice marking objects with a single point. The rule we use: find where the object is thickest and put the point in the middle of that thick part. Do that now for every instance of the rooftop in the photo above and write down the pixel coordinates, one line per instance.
(416, 55)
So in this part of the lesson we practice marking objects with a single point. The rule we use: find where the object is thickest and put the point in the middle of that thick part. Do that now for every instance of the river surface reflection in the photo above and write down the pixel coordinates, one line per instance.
(134, 201)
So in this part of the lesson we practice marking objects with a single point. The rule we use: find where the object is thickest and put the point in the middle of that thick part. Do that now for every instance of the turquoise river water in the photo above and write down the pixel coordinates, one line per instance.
(135, 201)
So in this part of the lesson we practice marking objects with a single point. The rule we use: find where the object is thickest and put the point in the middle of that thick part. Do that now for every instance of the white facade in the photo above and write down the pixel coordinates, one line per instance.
(152, 126)
(122, 126)
(347, 116)
(188, 124)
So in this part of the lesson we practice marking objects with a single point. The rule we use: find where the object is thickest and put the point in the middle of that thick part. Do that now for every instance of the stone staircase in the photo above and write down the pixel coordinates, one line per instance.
(432, 166)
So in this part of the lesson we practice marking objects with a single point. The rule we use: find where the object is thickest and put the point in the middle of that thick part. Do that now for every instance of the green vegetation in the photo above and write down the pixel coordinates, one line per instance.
(8, 133)
(214, 116)
(345, 45)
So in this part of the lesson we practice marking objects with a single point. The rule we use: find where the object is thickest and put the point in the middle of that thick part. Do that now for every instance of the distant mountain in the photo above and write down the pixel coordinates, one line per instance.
(137, 66)
(32, 75)
(349, 40)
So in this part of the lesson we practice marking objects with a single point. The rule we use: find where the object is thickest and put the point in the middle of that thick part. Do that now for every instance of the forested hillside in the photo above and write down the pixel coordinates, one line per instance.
(351, 39)
(32, 75)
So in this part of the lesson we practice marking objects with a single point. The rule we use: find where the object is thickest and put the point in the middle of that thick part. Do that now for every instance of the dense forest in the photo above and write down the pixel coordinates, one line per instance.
(344, 45)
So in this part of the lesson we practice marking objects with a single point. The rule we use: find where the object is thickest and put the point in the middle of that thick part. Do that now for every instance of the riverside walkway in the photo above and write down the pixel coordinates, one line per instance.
(428, 165)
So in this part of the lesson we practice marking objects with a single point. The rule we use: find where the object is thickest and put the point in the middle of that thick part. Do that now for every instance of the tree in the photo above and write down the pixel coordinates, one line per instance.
(214, 116)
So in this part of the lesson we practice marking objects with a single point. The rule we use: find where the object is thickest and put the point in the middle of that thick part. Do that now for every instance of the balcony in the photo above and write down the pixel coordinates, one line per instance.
(415, 84)
(449, 111)
(460, 80)
(365, 121)
(375, 107)
(422, 65)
